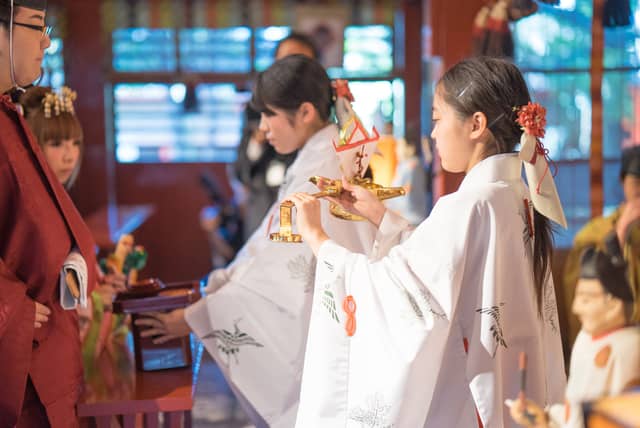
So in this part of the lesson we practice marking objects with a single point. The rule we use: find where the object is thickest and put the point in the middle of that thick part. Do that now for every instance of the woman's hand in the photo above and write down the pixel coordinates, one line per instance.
(163, 327)
(42, 315)
(308, 220)
(527, 413)
(359, 201)
(118, 281)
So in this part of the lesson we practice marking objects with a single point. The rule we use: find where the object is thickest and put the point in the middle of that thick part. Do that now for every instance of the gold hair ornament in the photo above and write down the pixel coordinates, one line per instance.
(61, 102)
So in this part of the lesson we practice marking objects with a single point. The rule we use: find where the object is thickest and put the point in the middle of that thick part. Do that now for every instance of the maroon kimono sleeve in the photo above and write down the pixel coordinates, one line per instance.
(17, 315)
(13, 298)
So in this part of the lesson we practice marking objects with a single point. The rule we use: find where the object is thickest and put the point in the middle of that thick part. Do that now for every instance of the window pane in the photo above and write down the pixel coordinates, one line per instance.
(621, 108)
(378, 102)
(368, 50)
(224, 50)
(572, 181)
(568, 139)
(568, 102)
(267, 39)
(622, 45)
(555, 37)
(621, 129)
(53, 65)
(171, 123)
(141, 49)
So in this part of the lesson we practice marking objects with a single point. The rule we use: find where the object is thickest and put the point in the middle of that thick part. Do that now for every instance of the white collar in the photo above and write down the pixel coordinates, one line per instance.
(502, 167)
(317, 144)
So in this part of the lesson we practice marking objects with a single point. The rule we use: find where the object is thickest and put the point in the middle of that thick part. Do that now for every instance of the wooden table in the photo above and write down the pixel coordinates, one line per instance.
(114, 388)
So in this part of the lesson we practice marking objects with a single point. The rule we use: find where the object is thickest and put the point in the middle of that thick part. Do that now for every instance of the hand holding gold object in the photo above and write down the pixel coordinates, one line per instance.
(379, 191)
(285, 233)
(331, 188)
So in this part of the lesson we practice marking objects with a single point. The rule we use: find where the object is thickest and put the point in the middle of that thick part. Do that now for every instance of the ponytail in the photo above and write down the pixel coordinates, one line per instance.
(542, 254)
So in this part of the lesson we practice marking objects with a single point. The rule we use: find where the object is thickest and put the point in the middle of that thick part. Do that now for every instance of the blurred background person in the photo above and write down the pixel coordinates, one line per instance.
(595, 231)
(385, 160)
(411, 176)
(258, 167)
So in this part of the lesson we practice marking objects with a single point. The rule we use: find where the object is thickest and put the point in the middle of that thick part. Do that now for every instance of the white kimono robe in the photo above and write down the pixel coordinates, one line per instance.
(255, 316)
(463, 279)
(600, 367)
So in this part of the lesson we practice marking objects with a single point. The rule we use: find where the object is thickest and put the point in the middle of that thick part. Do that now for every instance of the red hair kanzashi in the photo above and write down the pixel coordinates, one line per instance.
(532, 119)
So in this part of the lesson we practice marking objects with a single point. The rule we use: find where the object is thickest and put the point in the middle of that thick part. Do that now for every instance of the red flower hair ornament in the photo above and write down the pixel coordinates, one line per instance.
(535, 158)
(532, 119)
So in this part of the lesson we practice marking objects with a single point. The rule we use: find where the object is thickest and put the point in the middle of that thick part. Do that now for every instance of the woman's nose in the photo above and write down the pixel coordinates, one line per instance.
(263, 125)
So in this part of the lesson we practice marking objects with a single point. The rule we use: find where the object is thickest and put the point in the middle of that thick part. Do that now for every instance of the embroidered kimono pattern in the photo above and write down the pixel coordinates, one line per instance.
(269, 286)
(303, 269)
(229, 343)
(461, 279)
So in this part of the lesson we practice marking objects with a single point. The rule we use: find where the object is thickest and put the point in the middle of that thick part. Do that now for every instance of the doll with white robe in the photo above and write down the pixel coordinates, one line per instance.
(605, 360)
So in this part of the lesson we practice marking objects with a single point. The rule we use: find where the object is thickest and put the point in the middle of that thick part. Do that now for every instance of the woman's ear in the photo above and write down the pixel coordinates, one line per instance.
(307, 112)
(478, 124)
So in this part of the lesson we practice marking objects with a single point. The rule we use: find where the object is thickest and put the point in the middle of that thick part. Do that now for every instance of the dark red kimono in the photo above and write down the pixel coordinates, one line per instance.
(39, 225)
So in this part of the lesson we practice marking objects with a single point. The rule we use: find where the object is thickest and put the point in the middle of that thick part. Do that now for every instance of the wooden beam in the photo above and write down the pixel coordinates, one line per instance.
(597, 65)
(412, 11)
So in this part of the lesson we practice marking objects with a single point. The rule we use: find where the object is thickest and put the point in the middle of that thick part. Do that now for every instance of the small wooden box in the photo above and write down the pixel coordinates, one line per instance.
(154, 296)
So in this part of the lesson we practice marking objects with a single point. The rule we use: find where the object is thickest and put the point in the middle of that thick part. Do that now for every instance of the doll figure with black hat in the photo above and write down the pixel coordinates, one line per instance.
(606, 355)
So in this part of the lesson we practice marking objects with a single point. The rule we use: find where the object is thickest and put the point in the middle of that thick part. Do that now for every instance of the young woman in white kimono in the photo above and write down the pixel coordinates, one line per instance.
(254, 317)
(433, 321)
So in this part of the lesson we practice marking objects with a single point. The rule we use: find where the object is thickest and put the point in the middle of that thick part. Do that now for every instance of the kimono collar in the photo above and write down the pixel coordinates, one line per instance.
(5, 99)
(502, 167)
(318, 143)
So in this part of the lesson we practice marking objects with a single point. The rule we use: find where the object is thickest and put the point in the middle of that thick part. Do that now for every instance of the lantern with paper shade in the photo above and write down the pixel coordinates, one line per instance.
(354, 149)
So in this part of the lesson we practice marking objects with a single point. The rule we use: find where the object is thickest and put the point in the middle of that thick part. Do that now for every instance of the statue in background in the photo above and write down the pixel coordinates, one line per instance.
(606, 355)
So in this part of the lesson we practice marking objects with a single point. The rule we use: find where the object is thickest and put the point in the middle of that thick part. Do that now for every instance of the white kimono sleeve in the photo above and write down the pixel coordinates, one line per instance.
(350, 380)
(393, 230)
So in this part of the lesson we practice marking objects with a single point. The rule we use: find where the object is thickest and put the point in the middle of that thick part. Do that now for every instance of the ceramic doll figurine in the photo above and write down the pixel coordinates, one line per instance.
(606, 355)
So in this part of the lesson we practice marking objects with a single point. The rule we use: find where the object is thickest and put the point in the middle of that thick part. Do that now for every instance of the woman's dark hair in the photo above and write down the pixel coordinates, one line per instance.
(5, 13)
(301, 38)
(496, 88)
(291, 81)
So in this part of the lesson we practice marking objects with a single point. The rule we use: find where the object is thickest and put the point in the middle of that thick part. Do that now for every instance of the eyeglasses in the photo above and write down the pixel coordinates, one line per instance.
(45, 30)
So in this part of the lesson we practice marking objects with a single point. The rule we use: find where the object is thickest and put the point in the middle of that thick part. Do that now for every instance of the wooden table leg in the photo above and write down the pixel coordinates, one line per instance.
(103, 421)
(151, 420)
(129, 421)
(172, 419)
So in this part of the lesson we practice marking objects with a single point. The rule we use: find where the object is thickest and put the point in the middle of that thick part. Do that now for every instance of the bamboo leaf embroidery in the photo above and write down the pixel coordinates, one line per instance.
(550, 308)
(496, 328)
(329, 302)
